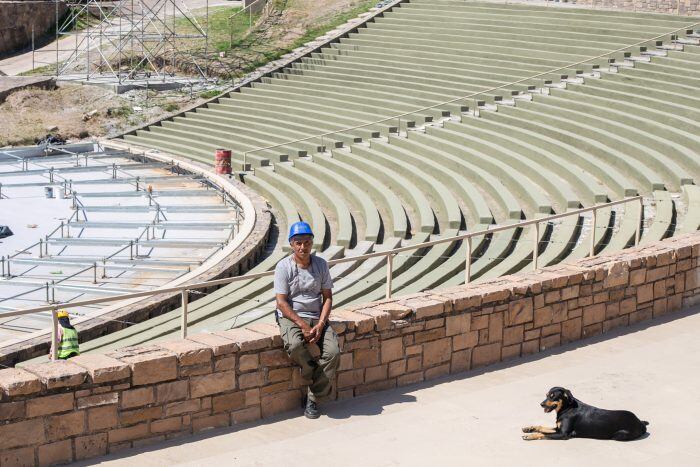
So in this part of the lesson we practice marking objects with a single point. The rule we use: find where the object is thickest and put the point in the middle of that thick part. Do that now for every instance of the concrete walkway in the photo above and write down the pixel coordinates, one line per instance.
(475, 419)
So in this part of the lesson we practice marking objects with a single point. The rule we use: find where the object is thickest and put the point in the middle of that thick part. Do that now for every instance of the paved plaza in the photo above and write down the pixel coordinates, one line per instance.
(475, 419)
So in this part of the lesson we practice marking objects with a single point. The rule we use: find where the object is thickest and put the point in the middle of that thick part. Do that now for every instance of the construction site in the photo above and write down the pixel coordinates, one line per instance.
(506, 194)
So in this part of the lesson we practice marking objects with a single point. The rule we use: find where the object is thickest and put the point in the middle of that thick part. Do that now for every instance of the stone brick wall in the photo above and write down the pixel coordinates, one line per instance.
(17, 18)
(94, 404)
(674, 7)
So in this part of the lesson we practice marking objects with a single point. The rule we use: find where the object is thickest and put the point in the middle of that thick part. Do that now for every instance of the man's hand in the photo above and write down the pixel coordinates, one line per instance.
(317, 332)
(307, 331)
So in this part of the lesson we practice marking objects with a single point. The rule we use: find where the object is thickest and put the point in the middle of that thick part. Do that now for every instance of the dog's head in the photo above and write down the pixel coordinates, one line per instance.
(557, 399)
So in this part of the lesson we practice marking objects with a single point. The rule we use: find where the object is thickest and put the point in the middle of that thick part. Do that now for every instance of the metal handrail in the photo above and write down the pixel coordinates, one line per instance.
(389, 254)
(468, 96)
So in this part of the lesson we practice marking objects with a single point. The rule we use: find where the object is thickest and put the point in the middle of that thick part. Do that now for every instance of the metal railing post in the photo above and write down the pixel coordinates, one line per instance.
(245, 157)
(183, 325)
(41, 248)
(536, 245)
(54, 335)
(94, 273)
(389, 273)
(53, 291)
(638, 231)
(468, 262)
(594, 219)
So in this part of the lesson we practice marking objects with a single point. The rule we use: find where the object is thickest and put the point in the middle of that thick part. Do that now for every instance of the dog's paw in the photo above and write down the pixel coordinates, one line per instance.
(528, 429)
(531, 437)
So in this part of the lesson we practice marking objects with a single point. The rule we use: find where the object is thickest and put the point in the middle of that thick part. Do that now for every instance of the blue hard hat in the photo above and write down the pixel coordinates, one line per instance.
(299, 228)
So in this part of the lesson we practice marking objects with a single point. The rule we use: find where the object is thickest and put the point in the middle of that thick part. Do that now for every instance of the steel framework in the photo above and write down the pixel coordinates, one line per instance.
(129, 40)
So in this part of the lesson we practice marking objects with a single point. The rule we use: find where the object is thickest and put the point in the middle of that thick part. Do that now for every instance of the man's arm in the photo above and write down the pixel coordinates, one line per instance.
(317, 330)
(287, 311)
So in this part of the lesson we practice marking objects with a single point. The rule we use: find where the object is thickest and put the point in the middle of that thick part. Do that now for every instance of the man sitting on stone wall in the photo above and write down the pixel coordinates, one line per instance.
(303, 290)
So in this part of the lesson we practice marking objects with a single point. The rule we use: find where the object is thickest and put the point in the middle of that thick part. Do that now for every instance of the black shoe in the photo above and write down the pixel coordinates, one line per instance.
(311, 410)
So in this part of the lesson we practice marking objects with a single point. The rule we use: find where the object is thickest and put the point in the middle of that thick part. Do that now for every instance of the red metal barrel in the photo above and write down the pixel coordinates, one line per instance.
(222, 161)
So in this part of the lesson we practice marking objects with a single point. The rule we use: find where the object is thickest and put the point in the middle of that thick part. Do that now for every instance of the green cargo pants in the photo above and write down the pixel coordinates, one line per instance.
(321, 372)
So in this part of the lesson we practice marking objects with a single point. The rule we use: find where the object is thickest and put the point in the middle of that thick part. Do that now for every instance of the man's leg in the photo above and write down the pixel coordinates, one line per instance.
(295, 346)
(328, 362)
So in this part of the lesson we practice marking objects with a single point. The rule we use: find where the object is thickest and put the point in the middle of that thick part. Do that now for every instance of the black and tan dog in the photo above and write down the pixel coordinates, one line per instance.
(578, 420)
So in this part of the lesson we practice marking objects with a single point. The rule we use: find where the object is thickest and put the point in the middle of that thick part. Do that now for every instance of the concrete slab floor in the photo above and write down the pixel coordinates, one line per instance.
(475, 418)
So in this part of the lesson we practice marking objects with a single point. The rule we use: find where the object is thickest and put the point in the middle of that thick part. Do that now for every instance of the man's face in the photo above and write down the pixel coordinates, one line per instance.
(301, 245)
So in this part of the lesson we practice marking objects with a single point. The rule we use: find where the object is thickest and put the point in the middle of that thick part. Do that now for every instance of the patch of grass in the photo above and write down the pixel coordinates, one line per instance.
(227, 25)
(209, 94)
(170, 107)
(332, 23)
(122, 111)
(46, 70)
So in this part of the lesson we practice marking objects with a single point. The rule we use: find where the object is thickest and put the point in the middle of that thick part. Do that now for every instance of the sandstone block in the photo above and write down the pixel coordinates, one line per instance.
(12, 410)
(458, 324)
(248, 362)
(246, 340)
(172, 391)
(519, 312)
(166, 425)
(571, 330)
(486, 354)
(138, 397)
(49, 404)
(101, 368)
(55, 453)
(59, 374)
(64, 426)
(98, 399)
(437, 352)
(103, 417)
(466, 340)
(24, 433)
(350, 378)
(119, 435)
(131, 417)
(345, 361)
(396, 310)
(273, 358)
(280, 402)
(513, 335)
(220, 345)
(177, 408)
(246, 415)
(189, 352)
(228, 402)
(460, 361)
(149, 364)
(366, 357)
(645, 293)
(279, 374)
(251, 380)
(214, 383)
(593, 314)
(410, 378)
(18, 458)
(397, 368)
(87, 447)
(391, 349)
(430, 335)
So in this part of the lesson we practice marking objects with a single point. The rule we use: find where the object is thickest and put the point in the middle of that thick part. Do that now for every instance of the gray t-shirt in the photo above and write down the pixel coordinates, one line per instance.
(303, 286)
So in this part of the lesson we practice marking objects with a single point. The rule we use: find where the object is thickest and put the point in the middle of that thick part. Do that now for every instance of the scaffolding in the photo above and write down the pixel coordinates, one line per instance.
(134, 42)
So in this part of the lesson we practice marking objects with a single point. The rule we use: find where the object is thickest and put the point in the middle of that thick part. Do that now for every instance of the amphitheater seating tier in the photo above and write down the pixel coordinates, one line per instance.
(568, 138)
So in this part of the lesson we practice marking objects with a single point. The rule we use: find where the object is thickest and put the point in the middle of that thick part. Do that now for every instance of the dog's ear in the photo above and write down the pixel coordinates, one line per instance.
(568, 396)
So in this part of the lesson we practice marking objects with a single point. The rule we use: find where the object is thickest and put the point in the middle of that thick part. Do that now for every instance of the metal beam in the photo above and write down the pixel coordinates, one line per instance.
(164, 225)
(144, 243)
